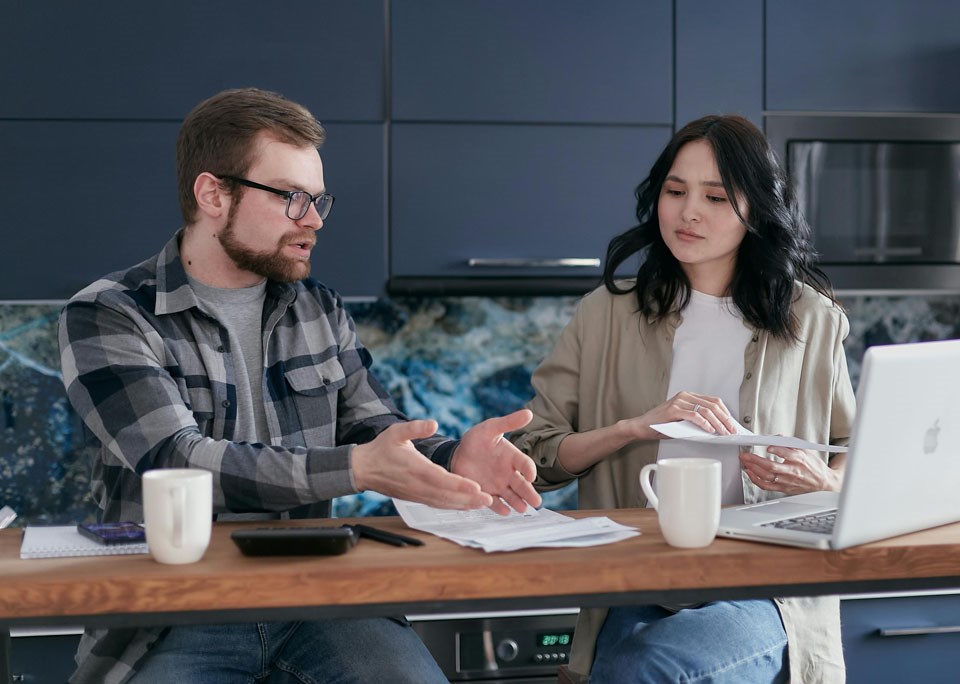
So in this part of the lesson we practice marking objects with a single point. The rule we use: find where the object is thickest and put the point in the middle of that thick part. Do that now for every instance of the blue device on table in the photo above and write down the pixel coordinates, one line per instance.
(113, 532)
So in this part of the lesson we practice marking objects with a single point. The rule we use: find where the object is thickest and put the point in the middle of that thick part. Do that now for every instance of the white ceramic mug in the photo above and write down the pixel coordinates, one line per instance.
(688, 499)
(177, 513)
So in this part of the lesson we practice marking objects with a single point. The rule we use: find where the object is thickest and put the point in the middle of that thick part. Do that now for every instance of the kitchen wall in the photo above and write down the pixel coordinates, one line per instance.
(476, 128)
(456, 359)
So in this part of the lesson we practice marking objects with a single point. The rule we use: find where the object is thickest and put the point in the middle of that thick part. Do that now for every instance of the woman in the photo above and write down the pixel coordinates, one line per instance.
(728, 317)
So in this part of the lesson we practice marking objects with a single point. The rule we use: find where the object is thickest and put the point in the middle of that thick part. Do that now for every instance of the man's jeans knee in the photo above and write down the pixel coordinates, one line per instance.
(345, 651)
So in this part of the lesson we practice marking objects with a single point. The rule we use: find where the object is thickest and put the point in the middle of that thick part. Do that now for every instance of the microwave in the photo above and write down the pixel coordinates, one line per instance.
(881, 193)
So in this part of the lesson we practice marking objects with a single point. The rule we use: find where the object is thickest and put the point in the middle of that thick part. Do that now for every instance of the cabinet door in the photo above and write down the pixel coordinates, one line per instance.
(895, 639)
(461, 192)
(558, 61)
(863, 55)
(719, 59)
(83, 199)
(351, 251)
(114, 59)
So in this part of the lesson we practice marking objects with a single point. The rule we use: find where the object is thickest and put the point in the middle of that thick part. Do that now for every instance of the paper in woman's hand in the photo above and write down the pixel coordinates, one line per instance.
(684, 429)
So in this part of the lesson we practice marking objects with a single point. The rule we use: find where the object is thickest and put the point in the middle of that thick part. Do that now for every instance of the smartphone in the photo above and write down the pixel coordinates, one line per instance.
(113, 532)
(294, 541)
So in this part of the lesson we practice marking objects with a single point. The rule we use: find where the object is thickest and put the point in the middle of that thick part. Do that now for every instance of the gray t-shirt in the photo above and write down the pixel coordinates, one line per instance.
(240, 311)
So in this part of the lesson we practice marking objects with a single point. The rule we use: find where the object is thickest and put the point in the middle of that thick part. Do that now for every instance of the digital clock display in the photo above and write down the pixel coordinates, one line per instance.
(548, 639)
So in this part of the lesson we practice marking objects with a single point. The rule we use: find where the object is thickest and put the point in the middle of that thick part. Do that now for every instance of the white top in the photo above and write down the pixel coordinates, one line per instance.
(708, 351)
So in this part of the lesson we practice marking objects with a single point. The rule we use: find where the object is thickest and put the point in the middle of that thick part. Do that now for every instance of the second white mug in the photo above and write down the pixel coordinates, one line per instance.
(177, 513)
(687, 499)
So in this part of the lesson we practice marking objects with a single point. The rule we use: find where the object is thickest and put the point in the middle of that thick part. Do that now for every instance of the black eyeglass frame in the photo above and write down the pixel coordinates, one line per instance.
(289, 195)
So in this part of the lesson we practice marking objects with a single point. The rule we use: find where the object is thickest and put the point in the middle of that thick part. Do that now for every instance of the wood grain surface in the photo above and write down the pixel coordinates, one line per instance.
(442, 575)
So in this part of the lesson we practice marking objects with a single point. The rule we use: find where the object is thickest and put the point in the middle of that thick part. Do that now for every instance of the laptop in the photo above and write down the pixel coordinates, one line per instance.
(903, 462)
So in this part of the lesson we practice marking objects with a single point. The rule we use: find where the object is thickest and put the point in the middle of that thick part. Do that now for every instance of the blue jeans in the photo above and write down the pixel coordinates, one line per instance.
(724, 642)
(346, 651)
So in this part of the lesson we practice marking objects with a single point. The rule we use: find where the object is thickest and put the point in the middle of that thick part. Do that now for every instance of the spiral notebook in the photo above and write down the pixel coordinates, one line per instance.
(63, 541)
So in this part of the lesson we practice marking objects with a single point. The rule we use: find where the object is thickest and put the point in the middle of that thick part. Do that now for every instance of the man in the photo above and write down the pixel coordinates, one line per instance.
(220, 353)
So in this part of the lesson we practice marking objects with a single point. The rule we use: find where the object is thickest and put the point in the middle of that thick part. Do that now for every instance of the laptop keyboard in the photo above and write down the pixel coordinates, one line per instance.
(821, 523)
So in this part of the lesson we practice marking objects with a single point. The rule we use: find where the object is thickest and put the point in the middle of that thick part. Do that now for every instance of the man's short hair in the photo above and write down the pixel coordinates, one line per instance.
(218, 136)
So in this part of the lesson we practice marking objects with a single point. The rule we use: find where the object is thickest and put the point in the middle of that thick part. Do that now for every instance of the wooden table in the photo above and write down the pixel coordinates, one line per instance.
(377, 579)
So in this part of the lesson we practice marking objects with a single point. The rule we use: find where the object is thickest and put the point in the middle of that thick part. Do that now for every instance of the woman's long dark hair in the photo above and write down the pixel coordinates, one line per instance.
(775, 252)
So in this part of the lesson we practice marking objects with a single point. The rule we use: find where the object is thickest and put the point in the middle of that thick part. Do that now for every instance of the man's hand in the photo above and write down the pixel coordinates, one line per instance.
(391, 465)
(502, 470)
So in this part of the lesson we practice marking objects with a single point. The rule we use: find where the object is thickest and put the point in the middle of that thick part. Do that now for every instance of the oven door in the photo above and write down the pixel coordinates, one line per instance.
(879, 202)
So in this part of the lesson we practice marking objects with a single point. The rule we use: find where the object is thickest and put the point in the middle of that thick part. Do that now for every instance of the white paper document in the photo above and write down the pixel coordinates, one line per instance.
(684, 429)
(484, 529)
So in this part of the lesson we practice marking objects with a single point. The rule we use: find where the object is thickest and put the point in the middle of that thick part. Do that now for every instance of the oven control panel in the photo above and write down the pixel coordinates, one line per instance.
(490, 650)
(483, 648)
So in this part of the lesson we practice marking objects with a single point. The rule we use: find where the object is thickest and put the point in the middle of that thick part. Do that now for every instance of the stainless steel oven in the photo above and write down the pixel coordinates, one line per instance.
(499, 648)
(881, 193)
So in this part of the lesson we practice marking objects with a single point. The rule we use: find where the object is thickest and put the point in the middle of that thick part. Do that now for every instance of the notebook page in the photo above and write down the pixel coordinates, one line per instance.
(63, 541)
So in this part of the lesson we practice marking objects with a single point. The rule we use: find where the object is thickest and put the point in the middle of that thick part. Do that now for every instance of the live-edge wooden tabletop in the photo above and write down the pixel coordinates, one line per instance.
(443, 576)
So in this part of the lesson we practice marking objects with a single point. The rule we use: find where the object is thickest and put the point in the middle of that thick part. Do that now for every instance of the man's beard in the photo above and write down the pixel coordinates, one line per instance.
(270, 265)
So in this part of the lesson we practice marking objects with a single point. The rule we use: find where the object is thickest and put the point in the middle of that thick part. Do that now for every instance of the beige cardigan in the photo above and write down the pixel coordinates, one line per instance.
(610, 363)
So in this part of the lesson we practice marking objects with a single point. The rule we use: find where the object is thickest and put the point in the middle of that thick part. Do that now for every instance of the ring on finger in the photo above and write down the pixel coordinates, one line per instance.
(775, 478)
(696, 408)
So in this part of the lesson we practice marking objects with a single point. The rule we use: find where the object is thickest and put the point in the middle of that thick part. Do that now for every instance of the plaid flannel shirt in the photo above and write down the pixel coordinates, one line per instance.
(152, 377)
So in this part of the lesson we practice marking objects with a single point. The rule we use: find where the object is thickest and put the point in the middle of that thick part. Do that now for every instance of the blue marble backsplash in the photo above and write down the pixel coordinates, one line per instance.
(458, 360)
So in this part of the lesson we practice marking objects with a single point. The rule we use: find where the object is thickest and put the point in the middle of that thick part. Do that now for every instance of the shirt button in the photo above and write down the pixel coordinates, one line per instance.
(749, 375)
(755, 338)
(746, 420)
(543, 460)
(221, 349)
(226, 404)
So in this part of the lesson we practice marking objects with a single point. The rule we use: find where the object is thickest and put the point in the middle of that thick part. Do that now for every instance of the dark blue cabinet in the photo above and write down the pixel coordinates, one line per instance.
(81, 199)
(863, 55)
(93, 99)
(558, 61)
(129, 60)
(520, 131)
(475, 129)
(84, 198)
(351, 251)
(719, 59)
(891, 639)
(493, 192)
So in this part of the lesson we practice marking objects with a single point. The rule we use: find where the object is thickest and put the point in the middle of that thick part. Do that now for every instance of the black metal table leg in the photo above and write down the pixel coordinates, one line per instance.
(5, 675)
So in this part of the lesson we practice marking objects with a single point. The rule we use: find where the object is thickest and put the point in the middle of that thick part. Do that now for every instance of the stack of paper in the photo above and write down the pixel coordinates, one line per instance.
(484, 529)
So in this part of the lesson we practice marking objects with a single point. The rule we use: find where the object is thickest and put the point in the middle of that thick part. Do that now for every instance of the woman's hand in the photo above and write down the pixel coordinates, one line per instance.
(706, 412)
(581, 450)
(800, 472)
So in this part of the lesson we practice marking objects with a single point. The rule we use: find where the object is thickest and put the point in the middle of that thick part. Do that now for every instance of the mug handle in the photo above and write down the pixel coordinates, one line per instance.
(178, 507)
(647, 487)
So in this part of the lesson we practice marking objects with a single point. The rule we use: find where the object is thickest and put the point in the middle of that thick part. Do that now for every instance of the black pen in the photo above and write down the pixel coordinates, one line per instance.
(385, 537)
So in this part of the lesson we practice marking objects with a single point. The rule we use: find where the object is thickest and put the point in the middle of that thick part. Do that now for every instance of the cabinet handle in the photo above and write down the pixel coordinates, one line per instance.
(917, 631)
(533, 263)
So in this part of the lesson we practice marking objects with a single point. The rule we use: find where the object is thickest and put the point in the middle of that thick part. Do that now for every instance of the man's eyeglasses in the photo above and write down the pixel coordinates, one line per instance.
(298, 201)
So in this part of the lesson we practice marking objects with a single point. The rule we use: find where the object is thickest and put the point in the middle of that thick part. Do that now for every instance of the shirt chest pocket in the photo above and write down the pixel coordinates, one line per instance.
(315, 391)
(198, 399)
